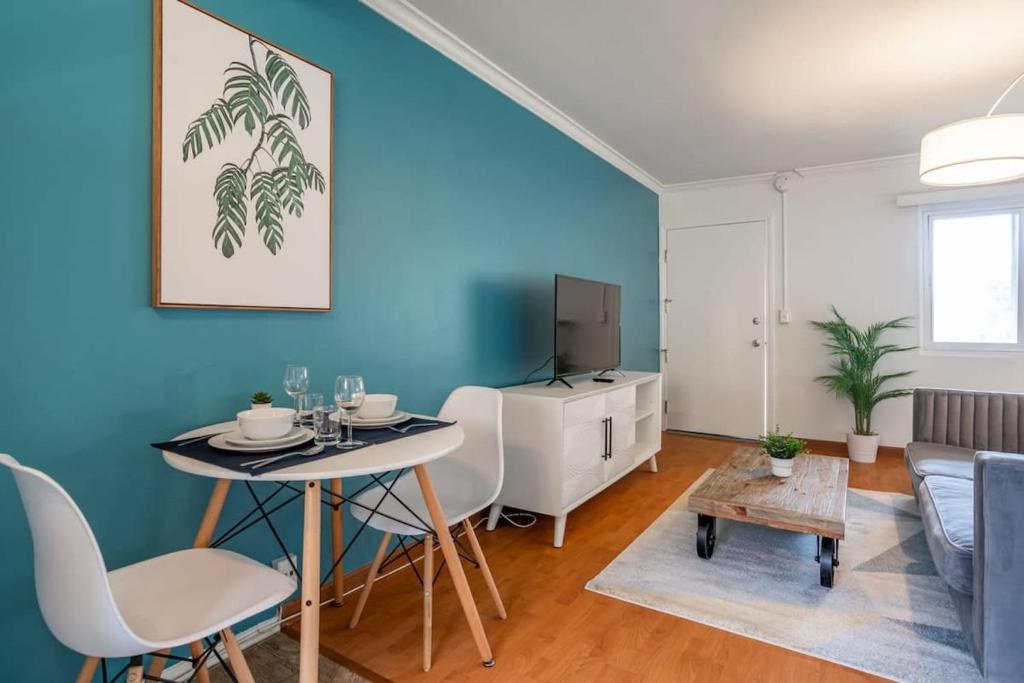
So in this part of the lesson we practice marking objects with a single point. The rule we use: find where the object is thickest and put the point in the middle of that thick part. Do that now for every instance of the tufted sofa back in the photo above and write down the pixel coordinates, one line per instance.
(983, 421)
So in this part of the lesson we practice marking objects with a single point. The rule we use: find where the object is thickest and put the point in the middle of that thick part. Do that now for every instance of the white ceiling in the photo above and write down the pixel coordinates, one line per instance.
(698, 89)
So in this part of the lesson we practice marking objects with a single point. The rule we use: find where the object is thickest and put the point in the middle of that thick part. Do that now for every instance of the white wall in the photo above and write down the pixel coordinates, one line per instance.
(848, 245)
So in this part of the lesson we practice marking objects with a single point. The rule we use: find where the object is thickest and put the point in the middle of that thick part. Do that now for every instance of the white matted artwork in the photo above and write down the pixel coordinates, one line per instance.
(242, 168)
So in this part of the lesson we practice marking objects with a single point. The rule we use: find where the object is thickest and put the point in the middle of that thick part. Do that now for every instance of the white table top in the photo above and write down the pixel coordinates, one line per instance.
(385, 457)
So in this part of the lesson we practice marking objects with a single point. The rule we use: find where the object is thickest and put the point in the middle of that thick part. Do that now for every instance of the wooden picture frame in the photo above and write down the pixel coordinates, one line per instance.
(262, 171)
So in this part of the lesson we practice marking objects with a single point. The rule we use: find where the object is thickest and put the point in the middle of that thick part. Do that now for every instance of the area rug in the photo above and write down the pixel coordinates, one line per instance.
(889, 613)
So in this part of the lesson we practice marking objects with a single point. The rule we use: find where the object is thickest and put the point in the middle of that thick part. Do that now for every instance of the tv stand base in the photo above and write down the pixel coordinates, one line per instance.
(559, 379)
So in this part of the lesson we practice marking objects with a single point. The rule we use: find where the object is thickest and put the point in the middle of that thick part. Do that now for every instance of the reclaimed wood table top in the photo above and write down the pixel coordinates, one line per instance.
(812, 500)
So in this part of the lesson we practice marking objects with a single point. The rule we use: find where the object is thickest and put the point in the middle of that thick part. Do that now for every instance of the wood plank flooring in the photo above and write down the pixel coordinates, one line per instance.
(558, 631)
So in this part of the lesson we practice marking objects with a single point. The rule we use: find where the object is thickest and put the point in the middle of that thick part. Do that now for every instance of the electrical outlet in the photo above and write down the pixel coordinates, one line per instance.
(282, 565)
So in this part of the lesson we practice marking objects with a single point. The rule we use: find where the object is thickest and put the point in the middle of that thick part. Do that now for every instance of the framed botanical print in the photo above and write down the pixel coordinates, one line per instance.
(242, 168)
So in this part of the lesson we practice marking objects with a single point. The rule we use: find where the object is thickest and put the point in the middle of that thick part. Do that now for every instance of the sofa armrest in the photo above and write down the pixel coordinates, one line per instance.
(999, 564)
(979, 420)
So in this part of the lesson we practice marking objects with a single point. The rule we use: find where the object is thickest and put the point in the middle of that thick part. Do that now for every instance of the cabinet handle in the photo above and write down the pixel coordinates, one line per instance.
(610, 437)
(604, 451)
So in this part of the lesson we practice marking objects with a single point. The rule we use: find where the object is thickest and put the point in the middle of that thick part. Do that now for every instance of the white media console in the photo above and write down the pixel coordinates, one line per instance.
(563, 446)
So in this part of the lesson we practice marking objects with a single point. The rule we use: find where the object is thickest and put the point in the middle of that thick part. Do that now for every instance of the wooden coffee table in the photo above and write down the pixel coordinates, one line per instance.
(811, 501)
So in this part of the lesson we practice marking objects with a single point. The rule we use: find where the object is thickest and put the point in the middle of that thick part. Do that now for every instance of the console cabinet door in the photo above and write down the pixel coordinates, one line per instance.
(623, 432)
(583, 445)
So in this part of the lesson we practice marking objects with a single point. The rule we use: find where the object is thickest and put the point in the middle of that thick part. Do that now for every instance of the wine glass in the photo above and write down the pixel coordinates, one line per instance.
(296, 383)
(349, 393)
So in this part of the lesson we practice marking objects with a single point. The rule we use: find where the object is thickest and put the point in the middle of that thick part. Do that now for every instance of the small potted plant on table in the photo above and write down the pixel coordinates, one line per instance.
(782, 449)
(261, 399)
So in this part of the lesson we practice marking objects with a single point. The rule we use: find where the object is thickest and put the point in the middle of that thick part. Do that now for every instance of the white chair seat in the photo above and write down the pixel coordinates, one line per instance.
(183, 596)
(461, 490)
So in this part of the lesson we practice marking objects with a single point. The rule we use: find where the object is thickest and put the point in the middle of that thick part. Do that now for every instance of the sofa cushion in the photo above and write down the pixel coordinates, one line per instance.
(926, 458)
(947, 510)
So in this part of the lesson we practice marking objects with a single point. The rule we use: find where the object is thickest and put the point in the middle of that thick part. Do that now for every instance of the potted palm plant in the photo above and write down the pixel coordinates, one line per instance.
(782, 449)
(855, 354)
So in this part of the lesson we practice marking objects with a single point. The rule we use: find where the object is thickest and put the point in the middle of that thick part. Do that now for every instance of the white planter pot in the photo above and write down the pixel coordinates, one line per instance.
(862, 447)
(782, 467)
(259, 406)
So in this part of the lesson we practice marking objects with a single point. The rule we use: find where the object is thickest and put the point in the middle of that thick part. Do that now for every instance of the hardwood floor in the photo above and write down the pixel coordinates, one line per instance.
(556, 630)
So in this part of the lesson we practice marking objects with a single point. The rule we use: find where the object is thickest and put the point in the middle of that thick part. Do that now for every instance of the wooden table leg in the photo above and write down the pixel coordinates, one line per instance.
(428, 598)
(202, 540)
(454, 564)
(235, 657)
(309, 638)
(337, 543)
(88, 670)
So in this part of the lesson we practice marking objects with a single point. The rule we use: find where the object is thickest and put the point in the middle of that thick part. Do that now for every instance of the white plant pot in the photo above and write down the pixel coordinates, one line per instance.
(862, 447)
(260, 406)
(782, 467)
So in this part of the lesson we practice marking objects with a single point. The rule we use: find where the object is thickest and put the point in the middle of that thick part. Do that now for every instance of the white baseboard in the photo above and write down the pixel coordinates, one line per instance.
(180, 671)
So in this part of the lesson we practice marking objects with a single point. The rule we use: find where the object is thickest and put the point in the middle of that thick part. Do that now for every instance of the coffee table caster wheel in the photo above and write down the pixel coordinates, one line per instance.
(828, 561)
(705, 536)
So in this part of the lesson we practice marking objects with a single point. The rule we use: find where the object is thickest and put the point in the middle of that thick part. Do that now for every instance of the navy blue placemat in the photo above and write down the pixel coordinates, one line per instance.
(201, 450)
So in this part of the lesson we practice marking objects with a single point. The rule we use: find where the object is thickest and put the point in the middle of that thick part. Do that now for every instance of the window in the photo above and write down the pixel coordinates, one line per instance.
(973, 285)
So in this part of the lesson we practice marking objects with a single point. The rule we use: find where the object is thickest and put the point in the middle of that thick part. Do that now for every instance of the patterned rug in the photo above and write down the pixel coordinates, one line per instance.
(889, 613)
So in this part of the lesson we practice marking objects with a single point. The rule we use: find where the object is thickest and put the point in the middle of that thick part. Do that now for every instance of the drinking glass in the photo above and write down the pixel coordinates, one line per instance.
(296, 383)
(326, 428)
(307, 404)
(349, 392)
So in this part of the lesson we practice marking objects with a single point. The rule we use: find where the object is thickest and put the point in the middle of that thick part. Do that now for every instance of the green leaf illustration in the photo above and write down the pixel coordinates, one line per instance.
(229, 191)
(248, 95)
(284, 144)
(213, 125)
(314, 178)
(268, 210)
(285, 83)
(289, 190)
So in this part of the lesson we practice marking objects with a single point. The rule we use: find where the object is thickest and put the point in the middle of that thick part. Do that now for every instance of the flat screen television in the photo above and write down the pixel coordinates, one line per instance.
(587, 336)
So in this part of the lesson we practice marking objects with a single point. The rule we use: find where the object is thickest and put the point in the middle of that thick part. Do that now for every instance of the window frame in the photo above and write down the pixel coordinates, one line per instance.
(928, 344)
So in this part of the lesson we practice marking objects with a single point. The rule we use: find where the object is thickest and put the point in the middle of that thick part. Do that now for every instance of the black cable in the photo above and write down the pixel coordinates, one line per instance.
(542, 366)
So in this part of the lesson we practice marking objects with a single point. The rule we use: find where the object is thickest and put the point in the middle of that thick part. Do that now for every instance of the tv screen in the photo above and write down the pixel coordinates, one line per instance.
(586, 325)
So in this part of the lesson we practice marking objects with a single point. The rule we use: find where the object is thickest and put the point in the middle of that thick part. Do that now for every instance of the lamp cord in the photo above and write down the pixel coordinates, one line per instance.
(1005, 93)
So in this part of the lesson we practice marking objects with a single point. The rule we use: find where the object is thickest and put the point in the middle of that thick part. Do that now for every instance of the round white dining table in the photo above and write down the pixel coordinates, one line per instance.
(408, 452)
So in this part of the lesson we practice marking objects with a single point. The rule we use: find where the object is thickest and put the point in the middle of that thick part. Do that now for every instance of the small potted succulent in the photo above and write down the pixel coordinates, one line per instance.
(782, 449)
(261, 399)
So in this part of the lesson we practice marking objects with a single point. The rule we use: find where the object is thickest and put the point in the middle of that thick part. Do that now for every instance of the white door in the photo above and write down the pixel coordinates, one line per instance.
(716, 329)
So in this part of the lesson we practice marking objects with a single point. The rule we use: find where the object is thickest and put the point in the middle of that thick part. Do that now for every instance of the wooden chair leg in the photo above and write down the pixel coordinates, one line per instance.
(370, 578)
(157, 664)
(428, 598)
(454, 564)
(337, 544)
(482, 561)
(88, 670)
(235, 657)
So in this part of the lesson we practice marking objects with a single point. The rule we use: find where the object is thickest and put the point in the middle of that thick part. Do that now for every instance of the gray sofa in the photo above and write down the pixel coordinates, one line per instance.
(967, 468)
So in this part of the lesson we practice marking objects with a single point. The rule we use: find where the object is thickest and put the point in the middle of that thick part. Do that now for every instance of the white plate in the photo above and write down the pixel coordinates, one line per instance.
(236, 438)
(374, 422)
(220, 442)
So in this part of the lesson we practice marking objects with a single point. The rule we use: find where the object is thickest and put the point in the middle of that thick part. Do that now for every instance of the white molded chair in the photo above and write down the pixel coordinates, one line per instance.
(467, 481)
(154, 605)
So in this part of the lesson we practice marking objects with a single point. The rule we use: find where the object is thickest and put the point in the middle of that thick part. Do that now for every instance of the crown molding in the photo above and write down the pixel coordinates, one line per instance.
(803, 171)
(413, 21)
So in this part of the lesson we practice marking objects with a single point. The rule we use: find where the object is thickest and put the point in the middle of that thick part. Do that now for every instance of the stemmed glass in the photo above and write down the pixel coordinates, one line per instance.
(349, 393)
(296, 383)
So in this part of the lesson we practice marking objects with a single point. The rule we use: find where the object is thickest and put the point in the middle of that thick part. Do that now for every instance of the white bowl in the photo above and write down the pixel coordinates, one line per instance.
(265, 423)
(378, 405)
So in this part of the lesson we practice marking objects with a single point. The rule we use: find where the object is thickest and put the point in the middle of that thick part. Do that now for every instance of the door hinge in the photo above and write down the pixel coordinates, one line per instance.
(665, 255)
(664, 355)
(665, 409)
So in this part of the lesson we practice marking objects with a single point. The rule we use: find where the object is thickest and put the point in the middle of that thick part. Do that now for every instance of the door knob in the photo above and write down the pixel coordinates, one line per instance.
(756, 343)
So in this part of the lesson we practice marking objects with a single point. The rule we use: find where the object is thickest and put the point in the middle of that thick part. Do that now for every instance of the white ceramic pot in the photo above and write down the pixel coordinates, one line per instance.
(260, 406)
(782, 467)
(862, 447)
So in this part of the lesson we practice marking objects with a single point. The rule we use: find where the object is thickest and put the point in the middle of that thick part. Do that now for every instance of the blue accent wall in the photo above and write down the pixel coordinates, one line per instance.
(453, 208)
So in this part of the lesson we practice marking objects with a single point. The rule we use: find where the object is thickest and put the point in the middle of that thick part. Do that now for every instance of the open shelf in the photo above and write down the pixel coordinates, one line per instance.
(645, 415)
